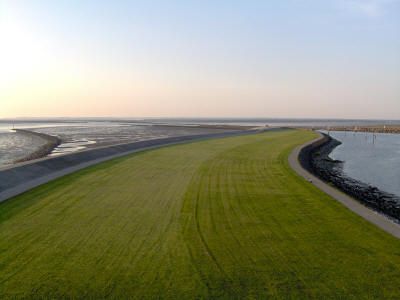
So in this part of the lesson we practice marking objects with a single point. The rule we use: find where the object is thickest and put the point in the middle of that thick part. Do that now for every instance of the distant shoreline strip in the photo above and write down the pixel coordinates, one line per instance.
(363, 129)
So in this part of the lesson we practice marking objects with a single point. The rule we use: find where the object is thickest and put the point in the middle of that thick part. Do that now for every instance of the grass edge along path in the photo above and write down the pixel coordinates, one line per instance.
(224, 218)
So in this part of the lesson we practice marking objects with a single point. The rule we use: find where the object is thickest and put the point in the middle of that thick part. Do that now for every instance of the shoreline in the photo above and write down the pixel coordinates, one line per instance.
(380, 220)
(52, 142)
(316, 160)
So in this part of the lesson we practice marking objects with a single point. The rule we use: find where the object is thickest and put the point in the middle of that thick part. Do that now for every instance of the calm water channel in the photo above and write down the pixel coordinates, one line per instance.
(373, 161)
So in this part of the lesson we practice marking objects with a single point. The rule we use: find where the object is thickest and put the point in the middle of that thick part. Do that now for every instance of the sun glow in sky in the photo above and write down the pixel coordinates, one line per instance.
(286, 58)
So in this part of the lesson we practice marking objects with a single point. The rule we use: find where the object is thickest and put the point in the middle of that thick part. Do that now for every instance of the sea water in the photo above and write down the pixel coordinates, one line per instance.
(375, 161)
(14, 146)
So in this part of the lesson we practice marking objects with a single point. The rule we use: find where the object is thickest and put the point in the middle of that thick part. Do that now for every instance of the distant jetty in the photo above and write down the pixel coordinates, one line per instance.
(51, 143)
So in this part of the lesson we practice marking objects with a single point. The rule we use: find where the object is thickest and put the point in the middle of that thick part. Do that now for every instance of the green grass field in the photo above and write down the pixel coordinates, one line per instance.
(223, 218)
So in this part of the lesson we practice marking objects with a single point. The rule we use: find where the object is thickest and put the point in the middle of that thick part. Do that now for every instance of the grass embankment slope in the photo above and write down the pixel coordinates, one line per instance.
(217, 218)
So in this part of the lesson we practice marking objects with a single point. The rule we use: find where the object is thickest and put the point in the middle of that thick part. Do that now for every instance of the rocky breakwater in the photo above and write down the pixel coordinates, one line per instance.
(315, 158)
(51, 143)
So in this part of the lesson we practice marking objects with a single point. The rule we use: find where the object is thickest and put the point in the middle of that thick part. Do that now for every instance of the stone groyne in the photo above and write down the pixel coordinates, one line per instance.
(315, 159)
(51, 143)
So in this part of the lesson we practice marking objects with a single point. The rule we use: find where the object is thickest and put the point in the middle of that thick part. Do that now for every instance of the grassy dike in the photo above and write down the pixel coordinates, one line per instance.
(223, 218)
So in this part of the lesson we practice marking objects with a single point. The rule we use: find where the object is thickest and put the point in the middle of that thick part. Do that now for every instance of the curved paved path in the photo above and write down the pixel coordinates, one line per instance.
(368, 214)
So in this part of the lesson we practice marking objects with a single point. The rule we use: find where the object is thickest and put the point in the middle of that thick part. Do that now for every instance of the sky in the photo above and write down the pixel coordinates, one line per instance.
(220, 58)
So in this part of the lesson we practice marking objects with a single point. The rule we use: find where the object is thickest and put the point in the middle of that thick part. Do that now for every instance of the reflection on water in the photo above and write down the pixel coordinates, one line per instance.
(71, 147)
(14, 146)
(373, 161)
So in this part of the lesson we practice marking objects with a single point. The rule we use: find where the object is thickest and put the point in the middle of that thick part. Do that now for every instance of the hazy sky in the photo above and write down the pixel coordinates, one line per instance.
(282, 58)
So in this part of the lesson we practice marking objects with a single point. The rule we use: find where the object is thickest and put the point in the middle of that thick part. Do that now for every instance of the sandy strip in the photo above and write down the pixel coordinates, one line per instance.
(368, 214)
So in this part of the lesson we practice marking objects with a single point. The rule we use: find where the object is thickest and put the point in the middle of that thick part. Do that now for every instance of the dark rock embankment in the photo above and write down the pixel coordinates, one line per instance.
(51, 143)
(315, 159)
